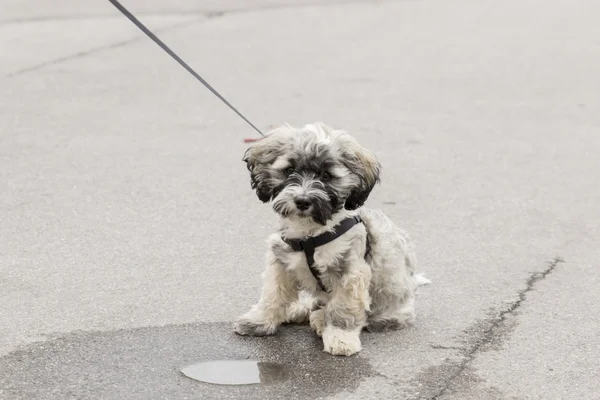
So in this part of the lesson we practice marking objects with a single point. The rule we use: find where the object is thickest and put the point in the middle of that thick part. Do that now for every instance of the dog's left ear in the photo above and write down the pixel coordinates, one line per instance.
(362, 163)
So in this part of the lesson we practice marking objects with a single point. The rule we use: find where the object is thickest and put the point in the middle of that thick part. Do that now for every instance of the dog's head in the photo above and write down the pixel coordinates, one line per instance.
(311, 172)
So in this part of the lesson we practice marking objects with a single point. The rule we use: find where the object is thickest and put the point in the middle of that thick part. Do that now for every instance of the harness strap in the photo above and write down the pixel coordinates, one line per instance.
(308, 245)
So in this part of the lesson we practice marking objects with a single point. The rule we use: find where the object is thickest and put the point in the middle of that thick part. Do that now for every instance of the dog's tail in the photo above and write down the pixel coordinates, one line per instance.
(421, 280)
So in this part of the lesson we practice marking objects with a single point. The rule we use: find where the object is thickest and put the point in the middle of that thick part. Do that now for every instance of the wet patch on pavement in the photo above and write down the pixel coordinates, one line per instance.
(147, 363)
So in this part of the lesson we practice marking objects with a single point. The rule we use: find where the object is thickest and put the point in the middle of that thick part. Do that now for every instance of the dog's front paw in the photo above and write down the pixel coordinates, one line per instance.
(247, 327)
(340, 342)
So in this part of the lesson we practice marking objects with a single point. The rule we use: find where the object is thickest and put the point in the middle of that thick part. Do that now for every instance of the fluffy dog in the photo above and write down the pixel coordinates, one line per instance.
(317, 179)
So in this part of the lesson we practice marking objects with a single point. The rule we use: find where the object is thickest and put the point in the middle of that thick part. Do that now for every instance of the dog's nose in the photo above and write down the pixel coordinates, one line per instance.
(302, 203)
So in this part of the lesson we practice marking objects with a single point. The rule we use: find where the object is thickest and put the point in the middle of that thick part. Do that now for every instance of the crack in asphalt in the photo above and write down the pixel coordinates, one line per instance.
(204, 15)
(99, 49)
(437, 347)
(183, 13)
(165, 13)
(488, 333)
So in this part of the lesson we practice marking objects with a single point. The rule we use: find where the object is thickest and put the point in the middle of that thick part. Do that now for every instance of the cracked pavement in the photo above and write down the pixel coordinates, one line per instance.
(130, 238)
(490, 331)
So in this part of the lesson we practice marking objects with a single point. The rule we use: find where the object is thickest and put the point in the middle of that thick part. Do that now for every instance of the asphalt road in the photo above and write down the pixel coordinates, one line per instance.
(130, 238)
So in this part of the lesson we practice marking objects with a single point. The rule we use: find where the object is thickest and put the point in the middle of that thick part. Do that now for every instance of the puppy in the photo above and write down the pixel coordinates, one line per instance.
(354, 267)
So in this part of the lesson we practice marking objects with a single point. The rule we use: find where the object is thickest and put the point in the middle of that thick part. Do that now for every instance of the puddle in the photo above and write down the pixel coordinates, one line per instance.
(235, 372)
(147, 363)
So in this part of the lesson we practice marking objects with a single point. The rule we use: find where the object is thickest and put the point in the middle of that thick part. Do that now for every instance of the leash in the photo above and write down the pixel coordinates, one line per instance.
(170, 52)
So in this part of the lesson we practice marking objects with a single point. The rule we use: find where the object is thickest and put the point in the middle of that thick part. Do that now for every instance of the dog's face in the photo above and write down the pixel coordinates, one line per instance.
(311, 172)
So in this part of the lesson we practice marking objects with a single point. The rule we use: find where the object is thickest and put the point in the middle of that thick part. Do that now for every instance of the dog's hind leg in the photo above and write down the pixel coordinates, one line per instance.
(393, 318)
(317, 321)
(393, 300)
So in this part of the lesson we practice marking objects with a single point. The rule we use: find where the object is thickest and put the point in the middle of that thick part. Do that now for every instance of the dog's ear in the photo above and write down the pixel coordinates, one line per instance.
(258, 174)
(362, 163)
(259, 157)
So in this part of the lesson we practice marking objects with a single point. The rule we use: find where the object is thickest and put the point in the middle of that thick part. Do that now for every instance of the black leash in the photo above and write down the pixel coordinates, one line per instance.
(166, 48)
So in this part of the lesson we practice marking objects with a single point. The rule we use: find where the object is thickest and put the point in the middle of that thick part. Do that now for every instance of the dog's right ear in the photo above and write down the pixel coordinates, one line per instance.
(258, 173)
(259, 157)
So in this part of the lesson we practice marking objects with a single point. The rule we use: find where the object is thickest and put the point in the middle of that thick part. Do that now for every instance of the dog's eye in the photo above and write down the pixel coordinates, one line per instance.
(326, 176)
(289, 170)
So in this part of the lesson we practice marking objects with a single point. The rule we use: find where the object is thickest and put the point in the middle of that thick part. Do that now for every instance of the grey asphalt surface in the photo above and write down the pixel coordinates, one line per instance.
(130, 238)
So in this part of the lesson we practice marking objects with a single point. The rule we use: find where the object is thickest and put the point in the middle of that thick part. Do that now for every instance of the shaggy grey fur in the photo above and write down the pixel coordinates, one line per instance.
(315, 177)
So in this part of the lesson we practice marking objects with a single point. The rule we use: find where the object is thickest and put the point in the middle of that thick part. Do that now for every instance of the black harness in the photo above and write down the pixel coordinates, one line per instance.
(308, 245)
